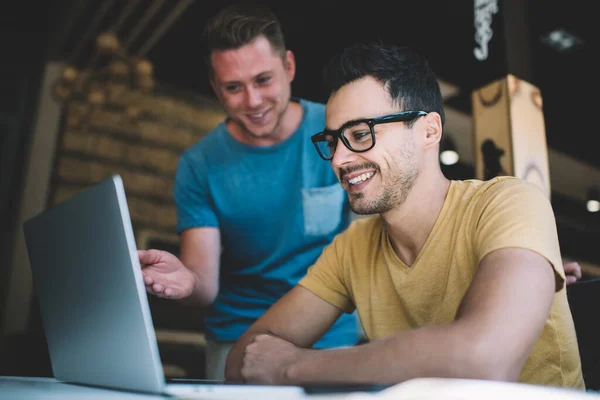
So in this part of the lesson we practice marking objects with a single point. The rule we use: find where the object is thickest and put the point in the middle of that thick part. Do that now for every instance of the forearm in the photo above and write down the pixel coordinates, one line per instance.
(440, 351)
(204, 292)
(295, 322)
(200, 254)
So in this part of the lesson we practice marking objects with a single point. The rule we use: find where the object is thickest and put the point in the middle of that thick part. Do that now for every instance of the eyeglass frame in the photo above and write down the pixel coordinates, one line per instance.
(403, 116)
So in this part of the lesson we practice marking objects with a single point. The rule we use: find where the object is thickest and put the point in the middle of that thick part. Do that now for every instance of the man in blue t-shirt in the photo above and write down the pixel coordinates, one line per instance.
(255, 204)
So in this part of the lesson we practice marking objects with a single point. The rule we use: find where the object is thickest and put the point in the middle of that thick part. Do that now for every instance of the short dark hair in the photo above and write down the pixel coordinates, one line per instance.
(238, 25)
(403, 72)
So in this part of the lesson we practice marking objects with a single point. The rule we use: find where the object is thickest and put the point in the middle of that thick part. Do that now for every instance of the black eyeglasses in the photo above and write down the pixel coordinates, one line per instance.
(357, 135)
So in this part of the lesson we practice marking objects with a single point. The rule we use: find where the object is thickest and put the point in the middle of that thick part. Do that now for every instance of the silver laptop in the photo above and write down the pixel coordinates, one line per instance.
(94, 305)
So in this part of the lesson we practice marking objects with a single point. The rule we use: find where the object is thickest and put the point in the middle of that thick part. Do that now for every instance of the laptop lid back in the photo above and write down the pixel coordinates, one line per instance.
(91, 294)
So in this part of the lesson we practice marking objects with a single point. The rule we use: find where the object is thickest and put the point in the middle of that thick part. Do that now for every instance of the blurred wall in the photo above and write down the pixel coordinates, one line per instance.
(75, 144)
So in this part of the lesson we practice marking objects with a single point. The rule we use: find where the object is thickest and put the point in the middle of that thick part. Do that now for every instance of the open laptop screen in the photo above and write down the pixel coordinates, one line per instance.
(92, 298)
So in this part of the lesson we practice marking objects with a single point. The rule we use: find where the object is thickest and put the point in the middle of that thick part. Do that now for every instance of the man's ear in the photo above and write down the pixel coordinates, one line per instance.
(290, 65)
(433, 129)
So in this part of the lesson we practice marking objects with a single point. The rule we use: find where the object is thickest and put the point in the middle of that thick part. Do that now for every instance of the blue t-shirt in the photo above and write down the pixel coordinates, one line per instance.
(276, 208)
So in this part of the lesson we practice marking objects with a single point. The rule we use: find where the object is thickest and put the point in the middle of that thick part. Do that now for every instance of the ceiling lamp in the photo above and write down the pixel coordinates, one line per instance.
(562, 41)
(593, 200)
(448, 153)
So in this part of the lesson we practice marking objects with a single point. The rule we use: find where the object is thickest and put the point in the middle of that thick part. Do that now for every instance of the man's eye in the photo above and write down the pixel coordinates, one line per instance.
(232, 88)
(361, 136)
(264, 79)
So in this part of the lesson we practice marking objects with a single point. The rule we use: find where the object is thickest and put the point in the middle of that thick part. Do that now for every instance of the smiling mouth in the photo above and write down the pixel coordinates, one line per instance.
(357, 180)
(257, 116)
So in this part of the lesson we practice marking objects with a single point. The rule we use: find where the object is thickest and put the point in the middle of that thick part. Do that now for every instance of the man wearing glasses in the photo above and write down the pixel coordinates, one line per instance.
(458, 279)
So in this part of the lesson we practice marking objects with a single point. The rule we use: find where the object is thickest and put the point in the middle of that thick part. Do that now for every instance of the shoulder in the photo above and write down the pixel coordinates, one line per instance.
(365, 227)
(207, 144)
(507, 207)
(314, 114)
(510, 188)
(312, 106)
(497, 189)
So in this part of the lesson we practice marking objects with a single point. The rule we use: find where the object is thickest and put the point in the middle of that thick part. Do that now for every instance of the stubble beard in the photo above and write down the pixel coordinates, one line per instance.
(394, 190)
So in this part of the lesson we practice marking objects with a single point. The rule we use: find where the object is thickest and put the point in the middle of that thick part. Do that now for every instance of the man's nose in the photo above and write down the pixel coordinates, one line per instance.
(253, 97)
(342, 155)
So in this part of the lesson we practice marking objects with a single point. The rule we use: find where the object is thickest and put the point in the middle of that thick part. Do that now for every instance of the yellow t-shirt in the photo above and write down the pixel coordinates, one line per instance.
(359, 269)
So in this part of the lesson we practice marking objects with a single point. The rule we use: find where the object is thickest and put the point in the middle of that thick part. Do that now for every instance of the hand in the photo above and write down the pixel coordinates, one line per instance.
(165, 275)
(572, 271)
(267, 359)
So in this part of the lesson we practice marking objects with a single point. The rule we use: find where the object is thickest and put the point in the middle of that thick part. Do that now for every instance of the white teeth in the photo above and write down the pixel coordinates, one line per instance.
(361, 178)
(256, 115)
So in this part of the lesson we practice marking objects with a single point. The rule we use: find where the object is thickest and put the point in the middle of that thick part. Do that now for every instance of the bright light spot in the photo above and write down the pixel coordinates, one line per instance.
(449, 157)
(593, 205)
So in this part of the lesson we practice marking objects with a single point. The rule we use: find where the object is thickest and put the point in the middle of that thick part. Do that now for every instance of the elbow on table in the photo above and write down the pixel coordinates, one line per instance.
(233, 375)
(233, 372)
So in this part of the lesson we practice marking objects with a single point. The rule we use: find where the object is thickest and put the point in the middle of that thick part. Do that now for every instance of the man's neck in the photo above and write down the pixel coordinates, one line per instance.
(408, 226)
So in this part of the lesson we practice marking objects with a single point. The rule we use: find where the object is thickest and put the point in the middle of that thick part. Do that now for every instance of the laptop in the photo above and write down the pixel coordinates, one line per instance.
(94, 306)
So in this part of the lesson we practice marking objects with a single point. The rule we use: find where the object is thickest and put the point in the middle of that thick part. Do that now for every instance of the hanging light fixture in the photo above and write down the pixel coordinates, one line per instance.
(448, 153)
(593, 200)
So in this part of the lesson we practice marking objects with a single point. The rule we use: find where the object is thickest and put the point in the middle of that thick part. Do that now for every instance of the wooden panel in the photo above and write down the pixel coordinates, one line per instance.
(530, 151)
(492, 131)
(509, 132)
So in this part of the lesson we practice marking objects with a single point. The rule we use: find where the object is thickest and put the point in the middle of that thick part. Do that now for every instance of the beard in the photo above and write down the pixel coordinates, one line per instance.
(401, 177)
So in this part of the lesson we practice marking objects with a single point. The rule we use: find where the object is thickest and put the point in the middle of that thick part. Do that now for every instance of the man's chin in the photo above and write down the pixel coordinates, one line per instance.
(361, 206)
(259, 132)
(259, 135)
(358, 208)
(255, 131)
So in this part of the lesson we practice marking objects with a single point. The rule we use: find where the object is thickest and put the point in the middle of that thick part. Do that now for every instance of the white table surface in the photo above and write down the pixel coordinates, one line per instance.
(17, 388)
(24, 388)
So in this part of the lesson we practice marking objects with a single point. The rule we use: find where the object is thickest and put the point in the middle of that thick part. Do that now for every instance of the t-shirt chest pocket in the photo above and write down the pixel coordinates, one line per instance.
(322, 208)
